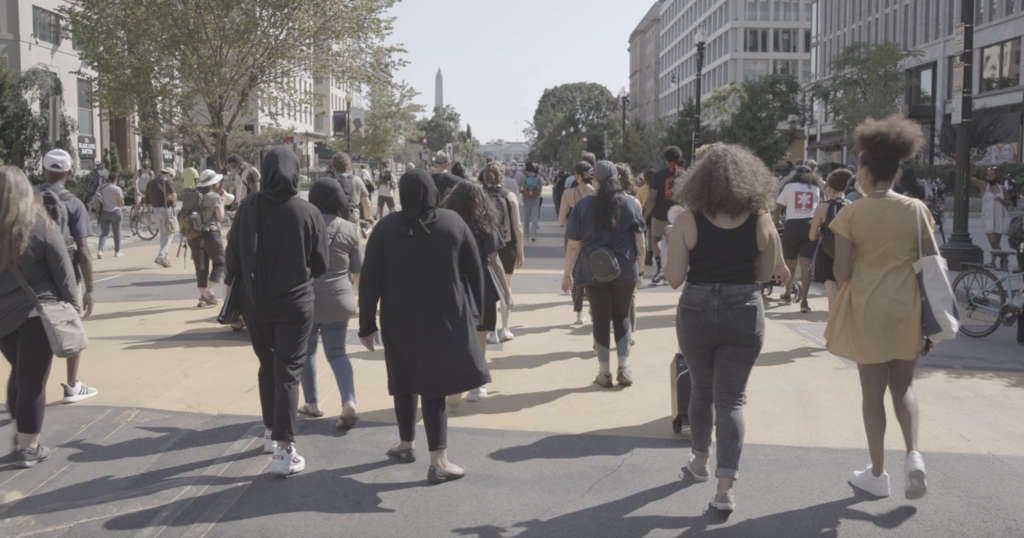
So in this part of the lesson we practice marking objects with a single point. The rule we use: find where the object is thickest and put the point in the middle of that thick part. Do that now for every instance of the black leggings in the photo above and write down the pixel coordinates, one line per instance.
(28, 351)
(609, 304)
(577, 290)
(435, 420)
(282, 350)
(207, 249)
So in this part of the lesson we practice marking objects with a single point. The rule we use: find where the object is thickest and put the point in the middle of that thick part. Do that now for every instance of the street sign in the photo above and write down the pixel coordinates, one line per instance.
(958, 39)
(958, 92)
(289, 140)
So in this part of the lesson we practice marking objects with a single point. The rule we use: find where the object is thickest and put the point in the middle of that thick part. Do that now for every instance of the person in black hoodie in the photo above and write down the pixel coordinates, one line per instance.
(423, 266)
(275, 250)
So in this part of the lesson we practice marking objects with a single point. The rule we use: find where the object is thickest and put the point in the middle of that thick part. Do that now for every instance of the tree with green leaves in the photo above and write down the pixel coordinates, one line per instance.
(572, 108)
(866, 81)
(634, 149)
(679, 133)
(210, 65)
(390, 118)
(442, 128)
(765, 105)
(25, 118)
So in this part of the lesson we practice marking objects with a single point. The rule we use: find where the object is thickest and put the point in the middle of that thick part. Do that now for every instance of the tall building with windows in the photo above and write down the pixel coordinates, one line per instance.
(645, 67)
(32, 34)
(927, 26)
(745, 39)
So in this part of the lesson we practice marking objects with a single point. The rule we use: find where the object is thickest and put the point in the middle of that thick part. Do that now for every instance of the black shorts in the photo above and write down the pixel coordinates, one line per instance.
(796, 240)
(508, 256)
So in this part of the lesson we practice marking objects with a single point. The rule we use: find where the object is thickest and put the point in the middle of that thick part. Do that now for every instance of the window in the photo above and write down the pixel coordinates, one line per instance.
(814, 21)
(785, 10)
(885, 31)
(807, 41)
(914, 25)
(906, 24)
(811, 11)
(950, 16)
(46, 25)
(785, 67)
(754, 69)
(755, 41)
(979, 13)
(764, 10)
(84, 108)
(806, 75)
(922, 90)
(785, 40)
(1000, 66)
(1009, 7)
(950, 61)
(993, 9)
(927, 16)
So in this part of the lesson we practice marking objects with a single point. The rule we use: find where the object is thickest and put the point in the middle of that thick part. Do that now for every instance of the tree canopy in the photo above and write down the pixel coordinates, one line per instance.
(442, 128)
(390, 118)
(765, 105)
(573, 108)
(866, 81)
(208, 65)
(24, 131)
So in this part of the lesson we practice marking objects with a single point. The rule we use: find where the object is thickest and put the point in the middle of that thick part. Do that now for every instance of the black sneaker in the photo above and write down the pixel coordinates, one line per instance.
(804, 307)
(28, 457)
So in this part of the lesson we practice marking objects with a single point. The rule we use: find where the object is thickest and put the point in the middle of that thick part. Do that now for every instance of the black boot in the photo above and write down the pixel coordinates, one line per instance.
(649, 259)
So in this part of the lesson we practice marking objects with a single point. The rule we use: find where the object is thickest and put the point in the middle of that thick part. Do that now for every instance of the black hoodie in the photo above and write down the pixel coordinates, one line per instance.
(277, 245)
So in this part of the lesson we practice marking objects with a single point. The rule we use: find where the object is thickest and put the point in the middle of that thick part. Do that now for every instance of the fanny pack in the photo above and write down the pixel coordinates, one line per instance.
(61, 322)
(604, 263)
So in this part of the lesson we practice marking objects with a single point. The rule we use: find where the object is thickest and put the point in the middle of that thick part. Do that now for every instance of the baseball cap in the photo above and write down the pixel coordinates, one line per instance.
(57, 160)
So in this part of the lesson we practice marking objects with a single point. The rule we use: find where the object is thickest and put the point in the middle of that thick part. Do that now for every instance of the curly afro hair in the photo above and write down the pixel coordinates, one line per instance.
(882, 144)
(728, 180)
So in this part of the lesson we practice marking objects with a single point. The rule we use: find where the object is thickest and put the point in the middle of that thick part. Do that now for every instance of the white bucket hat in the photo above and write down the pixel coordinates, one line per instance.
(208, 178)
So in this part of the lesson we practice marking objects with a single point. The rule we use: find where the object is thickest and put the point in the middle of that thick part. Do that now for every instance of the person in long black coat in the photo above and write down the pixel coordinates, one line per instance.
(423, 267)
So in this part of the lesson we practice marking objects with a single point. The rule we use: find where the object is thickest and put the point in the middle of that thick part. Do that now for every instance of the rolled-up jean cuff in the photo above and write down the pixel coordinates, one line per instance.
(699, 454)
(727, 473)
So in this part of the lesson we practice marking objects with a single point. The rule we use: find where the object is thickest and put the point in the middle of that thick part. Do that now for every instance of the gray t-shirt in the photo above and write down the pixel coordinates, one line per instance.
(335, 297)
(110, 194)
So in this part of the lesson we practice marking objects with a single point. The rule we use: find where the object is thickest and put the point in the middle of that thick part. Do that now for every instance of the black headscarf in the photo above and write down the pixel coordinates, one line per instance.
(279, 183)
(328, 196)
(280, 175)
(419, 199)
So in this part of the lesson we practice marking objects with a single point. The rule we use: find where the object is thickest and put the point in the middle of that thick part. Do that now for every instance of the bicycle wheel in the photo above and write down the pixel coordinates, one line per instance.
(133, 221)
(147, 225)
(979, 296)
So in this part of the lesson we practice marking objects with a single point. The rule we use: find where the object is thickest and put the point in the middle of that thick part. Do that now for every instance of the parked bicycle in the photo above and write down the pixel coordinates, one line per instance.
(142, 223)
(987, 301)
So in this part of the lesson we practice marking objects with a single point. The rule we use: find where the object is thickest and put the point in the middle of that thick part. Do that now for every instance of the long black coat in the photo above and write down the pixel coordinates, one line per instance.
(426, 319)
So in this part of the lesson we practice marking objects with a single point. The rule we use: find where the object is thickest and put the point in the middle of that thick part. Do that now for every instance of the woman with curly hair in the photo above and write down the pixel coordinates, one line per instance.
(876, 319)
(799, 197)
(478, 210)
(721, 246)
(609, 224)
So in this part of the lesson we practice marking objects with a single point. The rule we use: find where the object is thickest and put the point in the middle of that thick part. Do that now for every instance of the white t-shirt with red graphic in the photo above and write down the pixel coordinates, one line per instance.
(800, 200)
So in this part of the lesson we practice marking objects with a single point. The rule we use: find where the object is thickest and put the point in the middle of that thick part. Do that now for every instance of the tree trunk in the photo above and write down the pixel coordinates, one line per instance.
(152, 148)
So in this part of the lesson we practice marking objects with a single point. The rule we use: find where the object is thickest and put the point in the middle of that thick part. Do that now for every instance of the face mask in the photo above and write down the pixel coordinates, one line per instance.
(993, 181)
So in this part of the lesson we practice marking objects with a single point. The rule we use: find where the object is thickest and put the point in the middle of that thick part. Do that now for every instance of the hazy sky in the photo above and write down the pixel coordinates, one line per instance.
(498, 56)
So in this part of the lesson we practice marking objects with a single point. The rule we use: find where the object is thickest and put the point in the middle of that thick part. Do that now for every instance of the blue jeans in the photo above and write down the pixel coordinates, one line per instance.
(721, 331)
(531, 214)
(110, 221)
(333, 335)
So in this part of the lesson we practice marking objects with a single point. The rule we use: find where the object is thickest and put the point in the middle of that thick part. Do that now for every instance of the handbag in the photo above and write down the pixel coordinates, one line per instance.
(604, 264)
(940, 319)
(231, 309)
(61, 322)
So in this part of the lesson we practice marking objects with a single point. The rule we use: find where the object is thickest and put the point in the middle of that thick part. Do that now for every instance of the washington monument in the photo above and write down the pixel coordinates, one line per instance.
(439, 90)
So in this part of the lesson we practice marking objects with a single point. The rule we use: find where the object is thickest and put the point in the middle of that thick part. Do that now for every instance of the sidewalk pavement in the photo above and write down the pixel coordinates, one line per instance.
(170, 447)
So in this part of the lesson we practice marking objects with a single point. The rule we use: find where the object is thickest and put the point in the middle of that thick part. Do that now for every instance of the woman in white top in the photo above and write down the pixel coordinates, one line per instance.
(112, 198)
(799, 197)
(994, 201)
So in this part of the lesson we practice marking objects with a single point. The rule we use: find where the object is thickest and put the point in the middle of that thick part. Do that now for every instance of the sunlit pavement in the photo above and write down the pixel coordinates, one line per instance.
(170, 448)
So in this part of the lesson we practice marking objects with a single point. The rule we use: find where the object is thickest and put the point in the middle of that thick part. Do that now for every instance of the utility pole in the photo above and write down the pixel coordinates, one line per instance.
(960, 249)
(699, 38)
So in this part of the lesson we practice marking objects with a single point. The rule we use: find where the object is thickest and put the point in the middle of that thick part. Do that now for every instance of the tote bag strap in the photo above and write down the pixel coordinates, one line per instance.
(28, 289)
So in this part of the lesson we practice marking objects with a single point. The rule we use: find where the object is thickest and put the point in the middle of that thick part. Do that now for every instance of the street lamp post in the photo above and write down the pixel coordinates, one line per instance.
(698, 36)
(960, 249)
(348, 122)
(624, 98)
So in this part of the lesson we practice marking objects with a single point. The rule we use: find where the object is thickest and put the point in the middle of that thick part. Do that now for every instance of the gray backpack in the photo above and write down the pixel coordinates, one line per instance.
(56, 206)
(350, 191)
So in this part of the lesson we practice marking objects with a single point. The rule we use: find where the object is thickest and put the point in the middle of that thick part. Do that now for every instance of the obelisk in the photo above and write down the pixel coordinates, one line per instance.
(439, 90)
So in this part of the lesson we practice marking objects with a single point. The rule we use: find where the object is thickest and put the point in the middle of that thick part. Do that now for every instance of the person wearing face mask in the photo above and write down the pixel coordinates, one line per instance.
(994, 201)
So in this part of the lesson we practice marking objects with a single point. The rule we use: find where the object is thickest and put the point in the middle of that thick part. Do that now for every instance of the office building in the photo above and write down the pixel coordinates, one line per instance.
(645, 67)
(928, 27)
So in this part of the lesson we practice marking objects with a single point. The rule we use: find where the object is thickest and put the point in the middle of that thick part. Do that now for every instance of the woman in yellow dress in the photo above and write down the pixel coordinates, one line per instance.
(876, 318)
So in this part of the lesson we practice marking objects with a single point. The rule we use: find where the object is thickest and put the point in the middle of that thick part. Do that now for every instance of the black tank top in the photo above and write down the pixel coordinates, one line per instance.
(724, 256)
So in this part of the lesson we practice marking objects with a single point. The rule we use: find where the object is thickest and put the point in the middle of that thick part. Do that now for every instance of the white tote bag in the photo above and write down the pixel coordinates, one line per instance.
(940, 319)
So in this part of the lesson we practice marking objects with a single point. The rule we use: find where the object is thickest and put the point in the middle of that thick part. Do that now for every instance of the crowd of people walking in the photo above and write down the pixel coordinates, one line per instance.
(437, 270)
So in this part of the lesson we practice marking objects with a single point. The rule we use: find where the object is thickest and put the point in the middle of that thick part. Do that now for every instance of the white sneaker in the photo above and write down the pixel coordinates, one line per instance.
(492, 339)
(454, 401)
(77, 393)
(119, 254)
(99, 255)
(162, 261)
(476, 395)
(505, 335)
(915, 486)
(287, 462)
(269, 445)
(867, 481)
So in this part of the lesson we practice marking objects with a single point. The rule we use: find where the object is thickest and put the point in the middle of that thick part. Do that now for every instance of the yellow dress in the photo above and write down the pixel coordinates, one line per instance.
(877, 315)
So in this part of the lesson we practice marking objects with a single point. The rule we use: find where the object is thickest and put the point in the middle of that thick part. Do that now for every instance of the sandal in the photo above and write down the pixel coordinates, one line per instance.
(304, 410)
(346, 423)
(402, 456)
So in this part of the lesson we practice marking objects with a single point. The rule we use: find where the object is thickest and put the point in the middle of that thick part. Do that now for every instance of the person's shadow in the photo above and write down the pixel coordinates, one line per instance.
(613, 519)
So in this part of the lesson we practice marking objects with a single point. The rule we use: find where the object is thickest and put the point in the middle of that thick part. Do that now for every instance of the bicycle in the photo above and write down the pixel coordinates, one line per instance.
(141, 222)
(938, 210)
(981, 298)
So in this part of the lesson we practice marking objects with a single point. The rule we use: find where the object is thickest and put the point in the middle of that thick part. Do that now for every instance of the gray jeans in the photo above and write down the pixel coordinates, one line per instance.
(721, 330)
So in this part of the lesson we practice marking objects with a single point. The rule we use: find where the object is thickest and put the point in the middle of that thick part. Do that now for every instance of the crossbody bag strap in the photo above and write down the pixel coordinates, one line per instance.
(28, 289)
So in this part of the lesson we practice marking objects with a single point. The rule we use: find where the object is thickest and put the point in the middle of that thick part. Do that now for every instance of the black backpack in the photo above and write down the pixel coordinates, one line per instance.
(56, 206)
(500, 195)
(350, 191)
(828, 237)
